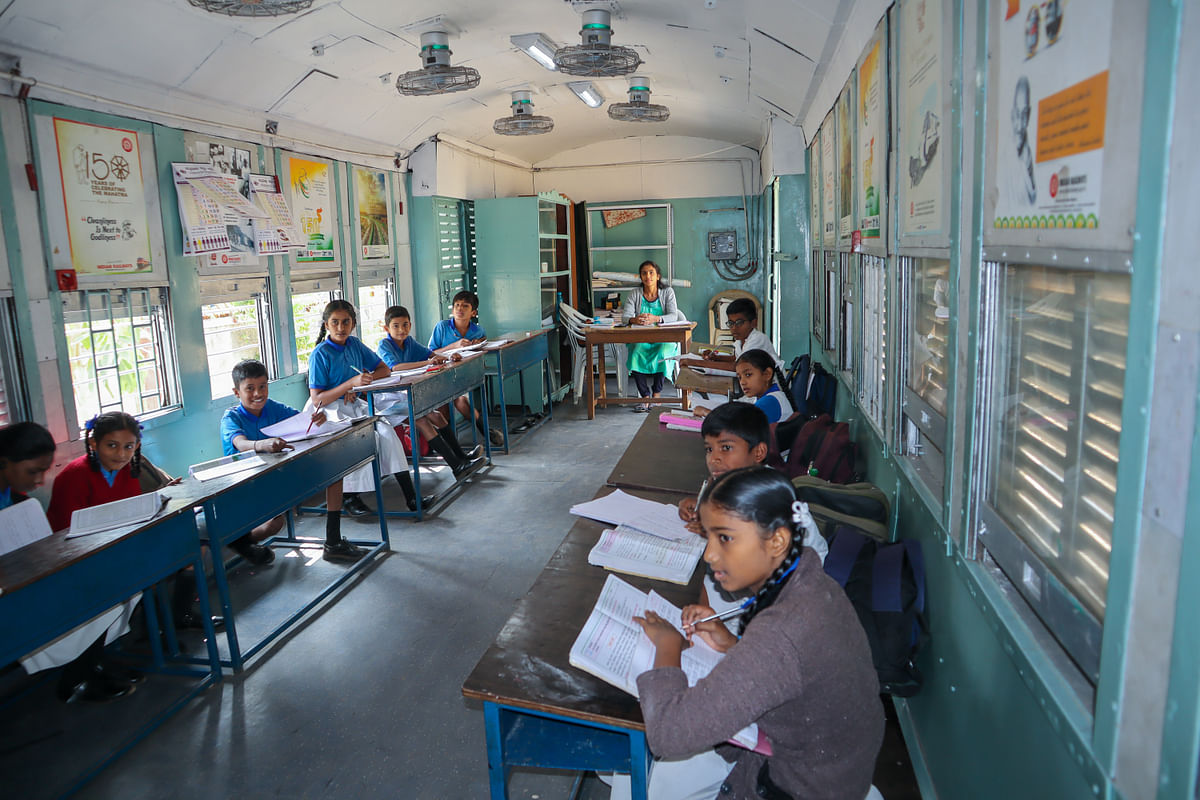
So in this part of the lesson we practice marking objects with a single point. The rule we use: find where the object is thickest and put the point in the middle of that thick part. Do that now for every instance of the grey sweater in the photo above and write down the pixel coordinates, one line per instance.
(633, 305)
(803, 672)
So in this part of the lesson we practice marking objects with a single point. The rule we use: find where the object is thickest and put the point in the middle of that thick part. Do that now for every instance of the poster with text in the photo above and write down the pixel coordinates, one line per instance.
(814, 193)
(871, 99)
(374, 219)
(312, 205)
(235, 162)
(845, 139)
(921, 151)
(104, 197)
(1053, 97)
(828, 183)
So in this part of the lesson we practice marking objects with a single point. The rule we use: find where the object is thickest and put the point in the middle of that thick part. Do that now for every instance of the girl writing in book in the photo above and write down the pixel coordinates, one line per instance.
(801, 668)
(339, 366)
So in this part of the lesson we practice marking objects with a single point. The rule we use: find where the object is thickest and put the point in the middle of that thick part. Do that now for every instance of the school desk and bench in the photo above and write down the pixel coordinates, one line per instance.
(523, 349)
(600, 336)
(661, 458)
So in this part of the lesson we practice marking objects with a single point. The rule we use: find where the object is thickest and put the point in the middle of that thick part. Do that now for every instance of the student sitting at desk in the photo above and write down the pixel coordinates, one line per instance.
(26, 453)
(743, 324)
(801, 670)
(460, 330)
(651, 303)
(400, 352)
(339, 364)
(758, 380)
(241, 431)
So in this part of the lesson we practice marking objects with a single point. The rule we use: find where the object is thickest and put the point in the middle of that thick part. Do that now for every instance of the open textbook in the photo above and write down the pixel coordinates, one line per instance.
(117, 514)
(613, 647)
(647, 516)
(636, 553)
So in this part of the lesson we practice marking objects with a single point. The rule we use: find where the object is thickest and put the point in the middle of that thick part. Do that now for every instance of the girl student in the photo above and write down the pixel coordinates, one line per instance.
(26, 453)
(651, 303)
(801, 668)
(756, 373)
(339, 364)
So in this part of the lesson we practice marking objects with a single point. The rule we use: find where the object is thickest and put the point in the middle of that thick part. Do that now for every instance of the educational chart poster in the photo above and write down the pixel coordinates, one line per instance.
(1053, 95)
(814, 193)
(828, 183)
(312, 204)
(275, 233)
(872, 142)
(374, 219)
(921, 151)
(104, 197)
(845, 138)
(234, 162)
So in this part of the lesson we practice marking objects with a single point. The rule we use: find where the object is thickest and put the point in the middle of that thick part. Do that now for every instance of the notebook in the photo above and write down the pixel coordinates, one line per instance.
(117, 514)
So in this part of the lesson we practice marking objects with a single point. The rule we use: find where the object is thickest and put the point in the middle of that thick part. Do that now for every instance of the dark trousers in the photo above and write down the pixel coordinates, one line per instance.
(645, 388)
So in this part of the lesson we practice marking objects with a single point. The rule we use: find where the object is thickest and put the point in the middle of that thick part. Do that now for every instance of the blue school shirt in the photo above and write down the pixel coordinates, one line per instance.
(392, 354)
(332, 364)
(774, 404)
(240, 422)
(6, 498)
(445, 333)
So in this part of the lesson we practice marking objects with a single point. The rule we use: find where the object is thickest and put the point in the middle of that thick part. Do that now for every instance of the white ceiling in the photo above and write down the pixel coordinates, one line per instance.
(722, 66)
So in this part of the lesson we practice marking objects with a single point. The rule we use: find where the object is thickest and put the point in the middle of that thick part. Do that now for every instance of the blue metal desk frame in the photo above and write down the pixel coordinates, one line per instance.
(247, 499)
(526, 350)
(99, 572)
(425, 393)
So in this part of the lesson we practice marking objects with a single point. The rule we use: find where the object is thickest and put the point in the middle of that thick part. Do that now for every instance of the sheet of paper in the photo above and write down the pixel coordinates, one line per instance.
(724, 373)
(21, 524)
(118, 514)
(699, 401)
(494, 344)
(297, 428)
(619, 508)
(232, 464)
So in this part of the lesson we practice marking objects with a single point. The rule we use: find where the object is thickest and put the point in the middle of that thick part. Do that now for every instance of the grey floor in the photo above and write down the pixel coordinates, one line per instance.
(363, 699)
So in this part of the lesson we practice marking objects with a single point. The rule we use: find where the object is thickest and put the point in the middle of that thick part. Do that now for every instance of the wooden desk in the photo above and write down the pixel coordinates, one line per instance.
(661, 459)
(600, 336)
(526, 349)
(427, 392)
(539, 711)
(237, 503)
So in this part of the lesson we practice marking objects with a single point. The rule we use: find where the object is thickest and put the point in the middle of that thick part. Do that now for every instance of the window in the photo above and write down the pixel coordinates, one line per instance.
(832, 296)
(1055, 366)
(846, 319)
(309, 298)
(373, 300)
(118, 351)
(873, 362)
(237, 326)
(925, 315)
(818, 302)
(11, 396)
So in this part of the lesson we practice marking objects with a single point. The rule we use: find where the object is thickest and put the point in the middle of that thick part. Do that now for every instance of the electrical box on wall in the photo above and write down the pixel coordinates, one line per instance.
(722, 246)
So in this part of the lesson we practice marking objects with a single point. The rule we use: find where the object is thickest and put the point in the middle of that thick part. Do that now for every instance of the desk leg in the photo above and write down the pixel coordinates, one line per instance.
(602, 375)
(639, 765)
(549, 390)
(210, 634)
(218, 565)
(414, 453)
(503, 402)
(497, 773)
(487, 426)
(591, 382)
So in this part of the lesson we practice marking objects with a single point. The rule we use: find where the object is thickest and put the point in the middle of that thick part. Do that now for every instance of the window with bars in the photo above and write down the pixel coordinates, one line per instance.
(374, 299)
(1055, 367)
(309, 298)
(872, 367)
(119, 351)
(925, 318)
(237, 326)
(846, 316)
(11, 394)
(831, 294)
(816, 295)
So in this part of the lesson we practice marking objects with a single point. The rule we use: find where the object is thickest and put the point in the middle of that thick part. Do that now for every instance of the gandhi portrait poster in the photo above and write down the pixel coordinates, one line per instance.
(1052, 100)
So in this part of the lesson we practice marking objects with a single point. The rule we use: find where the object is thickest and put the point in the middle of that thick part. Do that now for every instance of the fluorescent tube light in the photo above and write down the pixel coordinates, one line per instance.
(537, 47)
(587, 93)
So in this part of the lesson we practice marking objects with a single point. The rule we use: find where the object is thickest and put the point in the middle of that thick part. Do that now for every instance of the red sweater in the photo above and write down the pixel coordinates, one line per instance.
(80, 486)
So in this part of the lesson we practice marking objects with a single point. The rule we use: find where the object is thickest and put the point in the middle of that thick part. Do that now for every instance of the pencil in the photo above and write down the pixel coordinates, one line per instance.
(316, 411)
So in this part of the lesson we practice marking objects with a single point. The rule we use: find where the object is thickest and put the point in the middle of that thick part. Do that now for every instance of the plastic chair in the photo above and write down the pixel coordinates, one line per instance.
(575, 322)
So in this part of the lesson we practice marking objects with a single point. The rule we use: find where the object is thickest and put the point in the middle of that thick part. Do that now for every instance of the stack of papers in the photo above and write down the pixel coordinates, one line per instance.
(647, 516)
(636, 553)
(681, 421)
(118, 514)
(298, 428)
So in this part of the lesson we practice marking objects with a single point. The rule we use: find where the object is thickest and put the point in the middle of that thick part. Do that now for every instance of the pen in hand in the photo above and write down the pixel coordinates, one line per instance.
(733, 612)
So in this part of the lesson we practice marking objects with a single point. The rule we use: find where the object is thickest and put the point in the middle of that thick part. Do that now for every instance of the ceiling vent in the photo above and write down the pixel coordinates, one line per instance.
(597, 57)
(252, 8)
(639, 108)
(436, 76)
(523, 121)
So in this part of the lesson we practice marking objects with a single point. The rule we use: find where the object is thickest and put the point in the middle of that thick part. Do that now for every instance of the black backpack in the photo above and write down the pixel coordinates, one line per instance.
(886, 586)
(812, 389)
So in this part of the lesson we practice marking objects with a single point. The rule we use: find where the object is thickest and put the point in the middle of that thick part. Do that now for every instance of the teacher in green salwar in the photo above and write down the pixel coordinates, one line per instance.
(649, 304)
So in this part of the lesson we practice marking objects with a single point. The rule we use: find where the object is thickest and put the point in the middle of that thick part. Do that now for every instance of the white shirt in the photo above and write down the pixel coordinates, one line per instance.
(757, 340)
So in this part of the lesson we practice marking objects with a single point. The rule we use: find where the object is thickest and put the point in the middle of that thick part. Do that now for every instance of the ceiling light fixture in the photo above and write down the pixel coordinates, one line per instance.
(586, 92)
(597, 57)
(537, 47)
(436, 76)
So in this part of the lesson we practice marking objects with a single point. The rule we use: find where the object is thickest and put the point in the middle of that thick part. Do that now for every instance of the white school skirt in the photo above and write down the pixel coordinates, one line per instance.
(387, 445)
(113, 624)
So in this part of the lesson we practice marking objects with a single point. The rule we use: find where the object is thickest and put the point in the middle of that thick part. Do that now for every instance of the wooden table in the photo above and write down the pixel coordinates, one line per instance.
(539, 711)
(427, 392)
(662, 459)
(526, 349)
(599, 336)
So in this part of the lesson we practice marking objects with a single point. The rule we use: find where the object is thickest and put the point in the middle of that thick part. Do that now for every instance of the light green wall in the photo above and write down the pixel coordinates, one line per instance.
(794, 276)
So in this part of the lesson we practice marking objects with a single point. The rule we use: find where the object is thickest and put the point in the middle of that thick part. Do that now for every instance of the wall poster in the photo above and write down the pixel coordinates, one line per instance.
(921, 152)
(871, 101)
(828, 183)
(814, 193)
(313, 207)
(104, 197)
(236, 162)
(374, 215)
(845, 158)
(1052, 85)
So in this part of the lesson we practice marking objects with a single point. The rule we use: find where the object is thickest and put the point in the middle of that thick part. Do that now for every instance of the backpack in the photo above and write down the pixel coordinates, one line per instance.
(861, 505)
(812, 389)
(886, 586)
(824, 448)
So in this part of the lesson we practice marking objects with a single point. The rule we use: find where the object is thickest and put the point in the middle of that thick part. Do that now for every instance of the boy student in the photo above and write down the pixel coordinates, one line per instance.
(400, 351)
(743, 324)
(241, 431)
(459, 331)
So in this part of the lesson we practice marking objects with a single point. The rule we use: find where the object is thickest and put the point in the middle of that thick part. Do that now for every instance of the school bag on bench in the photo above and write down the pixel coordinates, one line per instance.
(813, 390)
(861, 505)
(823, 448)
(886, 586)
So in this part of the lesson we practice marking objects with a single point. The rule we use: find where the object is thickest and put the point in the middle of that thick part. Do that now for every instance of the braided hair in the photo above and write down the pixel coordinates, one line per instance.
(102, 425)
(763, 496)
(332, 306)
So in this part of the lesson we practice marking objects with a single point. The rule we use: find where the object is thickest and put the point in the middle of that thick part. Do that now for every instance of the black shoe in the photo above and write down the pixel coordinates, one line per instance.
(343, 551)
(496, 437)
(426, 501)
(474, 452)
(190, 621)
(257, 554)
(119, 673)
(466, 466)
(354, 507)
(96, 689)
